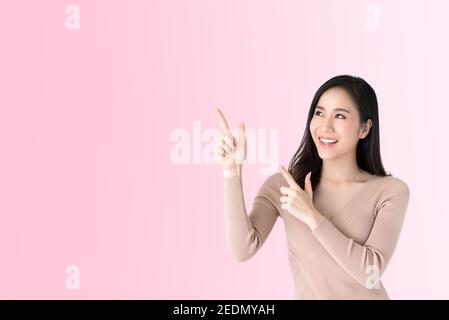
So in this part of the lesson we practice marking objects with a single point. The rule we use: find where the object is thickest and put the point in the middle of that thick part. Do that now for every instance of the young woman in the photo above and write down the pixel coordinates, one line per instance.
(342, 212)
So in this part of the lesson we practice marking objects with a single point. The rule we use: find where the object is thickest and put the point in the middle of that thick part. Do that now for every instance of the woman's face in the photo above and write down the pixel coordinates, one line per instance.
(337, 118)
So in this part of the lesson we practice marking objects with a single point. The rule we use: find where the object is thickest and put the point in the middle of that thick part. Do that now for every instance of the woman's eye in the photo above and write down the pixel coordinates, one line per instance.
(338, 114)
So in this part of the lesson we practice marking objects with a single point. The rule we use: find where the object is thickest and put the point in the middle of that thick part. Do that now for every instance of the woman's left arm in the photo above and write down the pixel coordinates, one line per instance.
(363, 262)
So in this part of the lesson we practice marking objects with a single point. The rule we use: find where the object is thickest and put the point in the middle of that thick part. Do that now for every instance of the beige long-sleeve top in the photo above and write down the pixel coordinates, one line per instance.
(344, 256)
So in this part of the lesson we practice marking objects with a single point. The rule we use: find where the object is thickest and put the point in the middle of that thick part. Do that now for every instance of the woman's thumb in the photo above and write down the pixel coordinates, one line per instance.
(241, 130)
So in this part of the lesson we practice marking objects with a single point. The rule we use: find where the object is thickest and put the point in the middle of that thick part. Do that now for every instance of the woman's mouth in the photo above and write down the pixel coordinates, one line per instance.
(327, 142)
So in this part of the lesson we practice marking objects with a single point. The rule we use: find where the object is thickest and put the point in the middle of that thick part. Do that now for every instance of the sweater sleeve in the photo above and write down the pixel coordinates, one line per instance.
(362, 261)
(245, 233)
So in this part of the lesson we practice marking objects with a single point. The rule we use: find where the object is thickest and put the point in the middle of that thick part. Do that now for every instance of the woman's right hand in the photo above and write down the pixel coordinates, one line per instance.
(230, 151)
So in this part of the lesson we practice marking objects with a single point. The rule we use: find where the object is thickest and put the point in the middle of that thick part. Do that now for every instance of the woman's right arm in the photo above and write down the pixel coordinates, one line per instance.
(245, 233)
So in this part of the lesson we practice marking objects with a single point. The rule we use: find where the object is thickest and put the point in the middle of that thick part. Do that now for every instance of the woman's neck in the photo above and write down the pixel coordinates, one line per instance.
(342, 170)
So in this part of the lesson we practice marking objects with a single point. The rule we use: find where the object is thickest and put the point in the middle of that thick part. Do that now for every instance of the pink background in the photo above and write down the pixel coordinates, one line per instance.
(86, 115)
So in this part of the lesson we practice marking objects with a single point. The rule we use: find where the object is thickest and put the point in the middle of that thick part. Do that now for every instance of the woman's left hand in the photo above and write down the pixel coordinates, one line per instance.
(298, 202)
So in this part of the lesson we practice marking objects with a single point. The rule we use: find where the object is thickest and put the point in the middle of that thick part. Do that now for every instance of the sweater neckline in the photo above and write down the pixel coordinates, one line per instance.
(354, 197)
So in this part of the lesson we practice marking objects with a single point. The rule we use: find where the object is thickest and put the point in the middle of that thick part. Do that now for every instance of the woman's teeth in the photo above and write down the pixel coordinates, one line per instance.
(327, 141)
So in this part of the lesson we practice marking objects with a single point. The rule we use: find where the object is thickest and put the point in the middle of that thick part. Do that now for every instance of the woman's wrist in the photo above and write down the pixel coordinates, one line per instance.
(234, 172)
(314, 219)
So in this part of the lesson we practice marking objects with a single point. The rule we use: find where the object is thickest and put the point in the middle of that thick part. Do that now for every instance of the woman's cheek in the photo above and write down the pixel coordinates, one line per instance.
(313, 126)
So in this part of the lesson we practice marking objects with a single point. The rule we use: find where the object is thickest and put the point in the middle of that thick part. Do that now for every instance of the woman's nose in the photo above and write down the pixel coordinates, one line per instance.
(327, 124)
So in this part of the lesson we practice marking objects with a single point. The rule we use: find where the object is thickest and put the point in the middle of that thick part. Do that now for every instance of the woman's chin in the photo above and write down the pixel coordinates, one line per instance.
(327, 156)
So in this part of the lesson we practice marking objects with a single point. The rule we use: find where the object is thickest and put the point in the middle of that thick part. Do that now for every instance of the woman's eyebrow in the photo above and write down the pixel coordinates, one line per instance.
(336, 109)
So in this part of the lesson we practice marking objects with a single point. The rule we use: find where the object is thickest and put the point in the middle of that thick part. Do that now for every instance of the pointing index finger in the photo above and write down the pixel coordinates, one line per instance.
(288, 177)
(222, 120)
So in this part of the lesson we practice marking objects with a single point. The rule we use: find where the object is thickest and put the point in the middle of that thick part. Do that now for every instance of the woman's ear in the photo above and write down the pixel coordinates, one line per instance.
(366, 128)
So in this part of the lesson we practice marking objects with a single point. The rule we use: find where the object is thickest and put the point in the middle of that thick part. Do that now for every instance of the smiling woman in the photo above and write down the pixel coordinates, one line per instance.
(342, 212)
(345, 110)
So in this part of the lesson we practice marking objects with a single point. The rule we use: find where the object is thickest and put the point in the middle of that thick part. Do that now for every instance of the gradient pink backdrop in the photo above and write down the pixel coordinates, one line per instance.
(86, 116)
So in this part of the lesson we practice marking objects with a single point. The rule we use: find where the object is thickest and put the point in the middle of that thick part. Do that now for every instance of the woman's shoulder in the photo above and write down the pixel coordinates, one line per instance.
(386, 184)
(274, 181)
(271, 185)
(393, 185)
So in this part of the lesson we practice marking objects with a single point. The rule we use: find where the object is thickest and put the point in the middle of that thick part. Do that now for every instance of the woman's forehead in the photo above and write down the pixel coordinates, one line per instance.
(336, 98)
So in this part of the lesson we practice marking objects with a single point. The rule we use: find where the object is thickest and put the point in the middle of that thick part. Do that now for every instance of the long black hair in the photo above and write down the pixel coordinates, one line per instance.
(368, 157)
